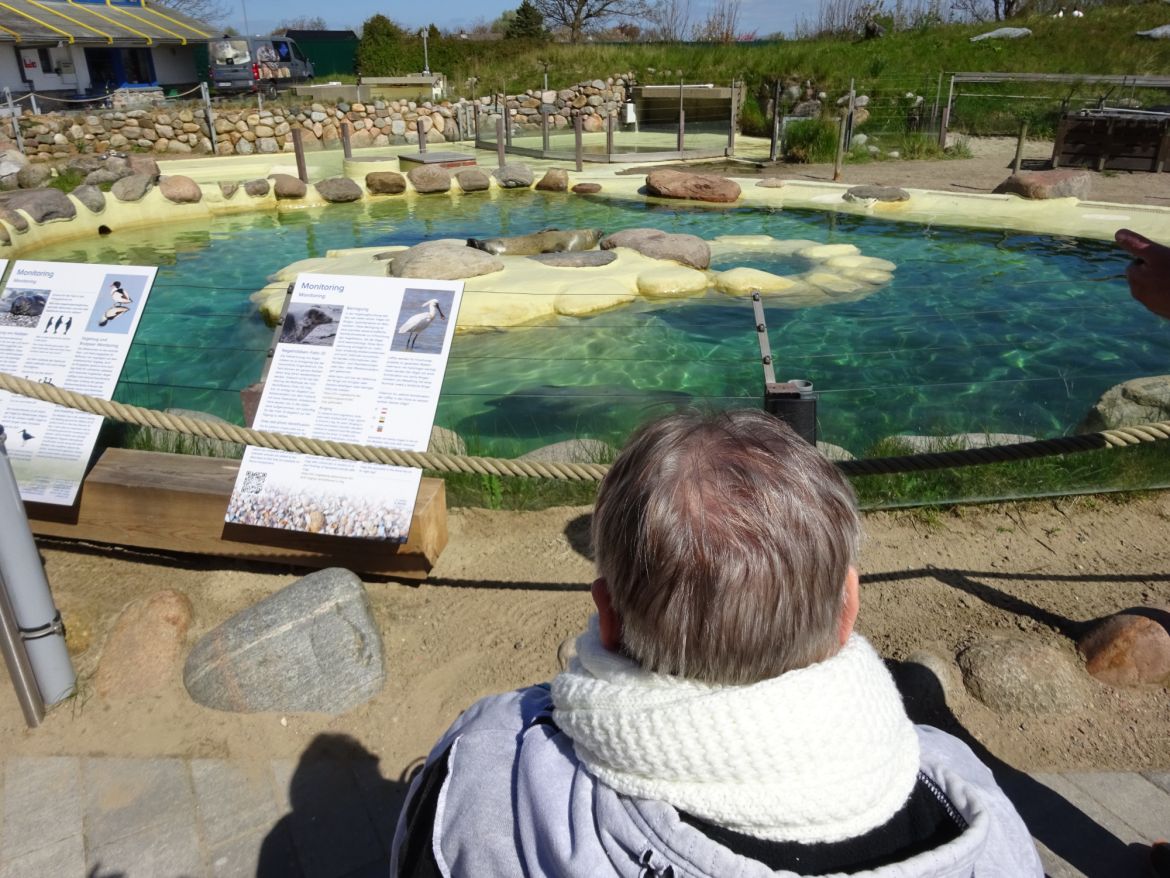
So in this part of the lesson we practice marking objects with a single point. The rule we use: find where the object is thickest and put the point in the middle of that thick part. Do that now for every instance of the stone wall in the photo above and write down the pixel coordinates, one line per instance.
(170, 130)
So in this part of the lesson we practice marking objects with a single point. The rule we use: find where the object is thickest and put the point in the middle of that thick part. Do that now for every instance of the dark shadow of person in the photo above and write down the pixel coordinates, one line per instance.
(1054, 821)
(343, 815)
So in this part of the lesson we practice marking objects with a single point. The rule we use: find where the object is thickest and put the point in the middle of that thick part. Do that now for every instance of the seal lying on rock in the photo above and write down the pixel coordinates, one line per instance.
(547, 241)
(298, 326)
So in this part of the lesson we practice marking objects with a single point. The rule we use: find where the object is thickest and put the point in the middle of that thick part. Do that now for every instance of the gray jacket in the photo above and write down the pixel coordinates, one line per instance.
(516, 801)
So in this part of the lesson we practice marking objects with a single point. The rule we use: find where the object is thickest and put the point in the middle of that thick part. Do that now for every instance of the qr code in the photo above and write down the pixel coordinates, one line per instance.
(253, 482)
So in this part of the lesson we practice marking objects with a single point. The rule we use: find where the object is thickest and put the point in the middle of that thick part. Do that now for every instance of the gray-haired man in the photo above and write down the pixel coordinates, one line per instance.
(721, 717)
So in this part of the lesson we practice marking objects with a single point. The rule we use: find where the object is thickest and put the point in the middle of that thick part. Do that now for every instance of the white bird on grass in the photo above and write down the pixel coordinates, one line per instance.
(420, 321)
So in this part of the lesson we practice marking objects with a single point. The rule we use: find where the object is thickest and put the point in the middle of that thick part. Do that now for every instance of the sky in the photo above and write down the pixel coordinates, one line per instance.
(265, 15)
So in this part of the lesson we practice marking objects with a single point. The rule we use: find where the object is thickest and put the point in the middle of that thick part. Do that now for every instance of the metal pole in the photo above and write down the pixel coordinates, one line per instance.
(33, 105)
(682, 128)
(508, 124)
(937, 98)
(23, 575)
(578, 133)
(346, 150)
(19, 670)
(205, 94)
(426, 56)
(609, 126)
(544, 131)
(774, 151)
(299, 151)
(946, 116)
(12, 109)
(732, 120)
(500, 145)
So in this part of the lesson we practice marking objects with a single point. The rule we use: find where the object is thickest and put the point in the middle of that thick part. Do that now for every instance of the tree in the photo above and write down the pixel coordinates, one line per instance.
(304, 22)
(670, 20)
(210, 11)
(380, 50)
(720, 24)
(526, 24)
(575, 15)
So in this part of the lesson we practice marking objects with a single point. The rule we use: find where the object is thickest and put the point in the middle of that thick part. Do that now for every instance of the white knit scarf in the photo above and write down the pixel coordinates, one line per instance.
(820, 754)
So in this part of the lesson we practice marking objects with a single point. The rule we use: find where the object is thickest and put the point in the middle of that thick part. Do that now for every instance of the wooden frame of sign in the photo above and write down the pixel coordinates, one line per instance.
(176, 502)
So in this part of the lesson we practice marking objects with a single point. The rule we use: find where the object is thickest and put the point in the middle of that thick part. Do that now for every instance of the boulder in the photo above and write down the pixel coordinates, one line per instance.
(385, 183)
(572, 451)
(256, 188)
(228, 190)
(576, 259)
(143, 164)
(11, 161)
(312, 646)
(442, 260)
(1130, 648)
(339, 190)
(554, 180)
(1058, 183)
(473, 180)
(132, 188)
(105, 175)
(17, 220)
(1014, 675)
(180, 189)
(287, 186)
(1137, 401)
(43, 205)
(587, 188)
(84, 164)
(667, 183)
(876, 193)
(688, 249)
(771, 183)
(33, 176)
(1003, 33)
(141, 655)
(91, 196)
(514, 176)
(429, 178)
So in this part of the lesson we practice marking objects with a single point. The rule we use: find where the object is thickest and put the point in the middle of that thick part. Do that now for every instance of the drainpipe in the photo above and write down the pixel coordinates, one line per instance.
(22, 575)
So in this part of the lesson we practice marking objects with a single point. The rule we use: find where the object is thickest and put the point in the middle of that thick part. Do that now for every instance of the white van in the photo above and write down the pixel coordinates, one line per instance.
(257, 64)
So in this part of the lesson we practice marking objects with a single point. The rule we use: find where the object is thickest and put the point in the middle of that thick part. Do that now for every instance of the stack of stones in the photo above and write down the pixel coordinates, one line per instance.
(247, 131)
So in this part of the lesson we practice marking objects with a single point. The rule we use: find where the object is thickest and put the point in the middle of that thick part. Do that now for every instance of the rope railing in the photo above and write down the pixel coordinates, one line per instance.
(455, 463)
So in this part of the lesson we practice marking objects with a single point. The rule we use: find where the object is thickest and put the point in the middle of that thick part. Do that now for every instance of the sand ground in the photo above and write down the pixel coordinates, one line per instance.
(512, 587)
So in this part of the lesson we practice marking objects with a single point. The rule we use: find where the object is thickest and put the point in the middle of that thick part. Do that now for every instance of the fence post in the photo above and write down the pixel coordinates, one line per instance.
(682, 116)
(774, 151)
(544, 131)
(846, 127)
(610, 121)
(937, 98)
(33, 105)
(299, 151)
(732, 121)
(346, 150)
(205, 96)
(13, 110)
(578, 133)
(424, 130)
(946, 116)
(1020, 147)
(500, 146)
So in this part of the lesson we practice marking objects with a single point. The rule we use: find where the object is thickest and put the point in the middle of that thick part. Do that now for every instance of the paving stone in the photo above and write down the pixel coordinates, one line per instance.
(1159, 779)
(64, 857)
(164, 849)
(42, 804)
(1140, 803)
(234, 799)
(240, 858)
(125, 796)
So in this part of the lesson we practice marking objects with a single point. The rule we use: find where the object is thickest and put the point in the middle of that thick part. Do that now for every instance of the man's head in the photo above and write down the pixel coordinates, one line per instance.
(727, 548)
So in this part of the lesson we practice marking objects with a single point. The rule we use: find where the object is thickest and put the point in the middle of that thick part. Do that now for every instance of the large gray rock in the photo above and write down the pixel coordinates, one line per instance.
(442, 260)
(385, 183)
(514, 176)
(473, 180)
(18, 221)
(688, 249)
(554, 180)
(287, 186)
(141, 655)
(43, 205)
(179, 189)
(429, 178)
(1014, 675)
(132, 188)
(33, 176)
(577, 259)
(1130, 648)
(667, 183)
(229, 189)
(339, 190)
(1137, 401)
(256, 188)
(876, 193)
(1003, 33)
(1058, 183)
(105, 175)
(91, 196)
(572, 451)
(84, 164)
(11, 161)
(313, 646)
(586, 188)
(143, 164)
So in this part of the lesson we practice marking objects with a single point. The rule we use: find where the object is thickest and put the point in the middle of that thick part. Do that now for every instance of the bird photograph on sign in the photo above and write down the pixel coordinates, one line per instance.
(422, 322)
(119, 293)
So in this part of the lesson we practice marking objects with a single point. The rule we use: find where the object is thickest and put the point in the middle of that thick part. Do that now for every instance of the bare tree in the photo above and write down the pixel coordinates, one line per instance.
(576, 15)
(304, 22)
(670, 20)
(720, 25)
(210, 11)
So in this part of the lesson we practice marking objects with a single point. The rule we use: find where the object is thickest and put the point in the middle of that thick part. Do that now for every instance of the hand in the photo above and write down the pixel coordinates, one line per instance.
(1149, 273)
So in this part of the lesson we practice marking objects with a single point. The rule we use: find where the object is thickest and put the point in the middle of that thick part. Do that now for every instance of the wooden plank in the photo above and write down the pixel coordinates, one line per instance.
(176, 502)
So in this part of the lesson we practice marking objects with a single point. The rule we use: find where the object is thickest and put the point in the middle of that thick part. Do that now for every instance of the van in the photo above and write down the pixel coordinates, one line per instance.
(257, 64)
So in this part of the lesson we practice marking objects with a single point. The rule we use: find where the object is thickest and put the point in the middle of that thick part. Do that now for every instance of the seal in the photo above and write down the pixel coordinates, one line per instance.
(297, 326)
(546, 241)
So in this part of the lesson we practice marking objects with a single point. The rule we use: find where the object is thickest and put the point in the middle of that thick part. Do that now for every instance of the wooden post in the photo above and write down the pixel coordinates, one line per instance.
(299, 150)
(733, 119)
(500, 145)
(423, 126)
(1058, 146)
(578, 128)
(1020, 147)
(946, 116)
(544, 131)
(346, 149)
(609, 126)
(839, 158)
(774, 150)
(507, 126)
(1162, 159)
(682, 129)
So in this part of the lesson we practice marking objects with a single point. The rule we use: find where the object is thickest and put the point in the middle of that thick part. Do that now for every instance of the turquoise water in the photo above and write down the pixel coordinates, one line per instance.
(978, 332)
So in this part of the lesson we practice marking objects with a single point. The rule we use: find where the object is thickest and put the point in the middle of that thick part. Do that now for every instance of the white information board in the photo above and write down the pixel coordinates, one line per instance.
(360, 359)
(68, 324)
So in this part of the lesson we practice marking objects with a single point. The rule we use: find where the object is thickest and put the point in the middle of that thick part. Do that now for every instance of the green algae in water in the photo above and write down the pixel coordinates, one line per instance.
(978, 332)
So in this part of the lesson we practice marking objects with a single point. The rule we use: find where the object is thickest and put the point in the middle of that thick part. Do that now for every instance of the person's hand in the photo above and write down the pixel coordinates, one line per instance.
(1149, 273)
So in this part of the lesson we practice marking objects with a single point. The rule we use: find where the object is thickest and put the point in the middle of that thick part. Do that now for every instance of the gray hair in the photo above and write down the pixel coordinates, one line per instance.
(725, 540)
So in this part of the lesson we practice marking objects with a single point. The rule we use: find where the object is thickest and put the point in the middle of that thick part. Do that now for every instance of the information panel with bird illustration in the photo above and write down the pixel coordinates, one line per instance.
(358, 359)
(67, 324)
